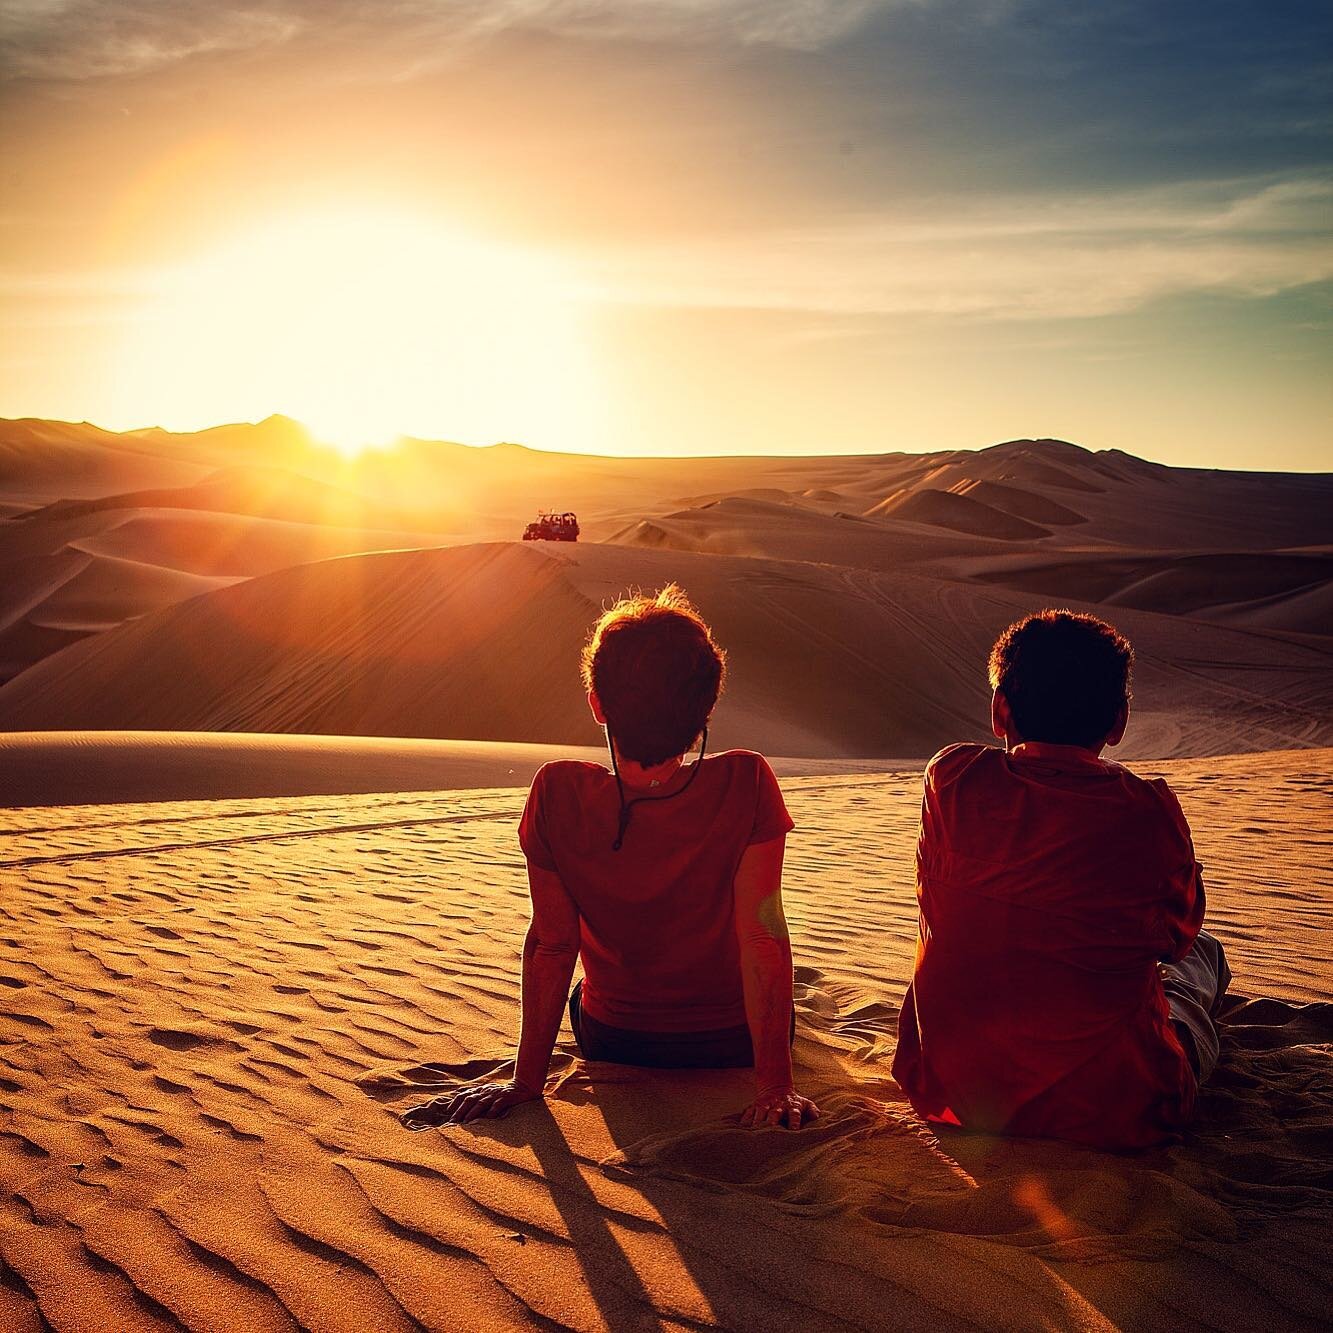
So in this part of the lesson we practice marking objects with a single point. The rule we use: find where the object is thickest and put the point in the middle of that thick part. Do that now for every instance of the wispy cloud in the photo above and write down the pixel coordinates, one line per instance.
(91, 39)
(85, 39)
(1005, 259)
(797, 24)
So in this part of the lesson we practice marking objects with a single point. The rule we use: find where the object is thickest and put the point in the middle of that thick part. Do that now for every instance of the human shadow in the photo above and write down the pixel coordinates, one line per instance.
(673, 1138)
(611, 1279)
(1069, 1217)
(1244, 1199)
(664, 1153)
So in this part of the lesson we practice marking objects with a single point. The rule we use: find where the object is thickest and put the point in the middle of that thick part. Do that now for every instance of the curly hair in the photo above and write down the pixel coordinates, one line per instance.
(1064, 674)
(657, 672)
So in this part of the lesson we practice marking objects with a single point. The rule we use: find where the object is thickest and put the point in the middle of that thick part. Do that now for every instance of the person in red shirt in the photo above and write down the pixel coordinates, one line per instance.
(665, 878)
(1063, 987)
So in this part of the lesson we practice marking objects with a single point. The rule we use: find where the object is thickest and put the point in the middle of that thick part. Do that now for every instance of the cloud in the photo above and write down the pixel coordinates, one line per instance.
(983, 158)
(91, 39)
(1014, 259)
(87, 39)
(1291, 205)
(796, 24)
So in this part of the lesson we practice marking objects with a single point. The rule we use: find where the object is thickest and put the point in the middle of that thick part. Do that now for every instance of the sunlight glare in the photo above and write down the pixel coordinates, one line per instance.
(365, 327)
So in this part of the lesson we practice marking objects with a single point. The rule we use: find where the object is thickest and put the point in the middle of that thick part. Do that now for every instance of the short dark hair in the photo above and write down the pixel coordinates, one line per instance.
(657, 672)
(1064, 674)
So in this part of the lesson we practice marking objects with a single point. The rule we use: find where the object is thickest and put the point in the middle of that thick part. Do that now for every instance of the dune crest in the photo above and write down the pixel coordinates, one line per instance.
(959, 510)
(1014, 500)
(482, 642)
(105, 530)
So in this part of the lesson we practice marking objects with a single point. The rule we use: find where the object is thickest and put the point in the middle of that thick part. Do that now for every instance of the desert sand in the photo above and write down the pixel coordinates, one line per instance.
(482, 642)
(242, 579)
(245, 921)
(214, 1009)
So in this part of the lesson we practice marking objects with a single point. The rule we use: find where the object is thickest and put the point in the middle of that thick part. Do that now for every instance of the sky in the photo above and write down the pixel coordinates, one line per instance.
(677, 226)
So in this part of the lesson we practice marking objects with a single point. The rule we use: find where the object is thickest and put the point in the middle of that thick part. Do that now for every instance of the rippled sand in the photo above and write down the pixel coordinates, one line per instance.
(210, 1012)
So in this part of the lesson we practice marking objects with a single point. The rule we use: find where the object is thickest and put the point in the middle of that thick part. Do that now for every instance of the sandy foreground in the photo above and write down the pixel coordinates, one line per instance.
(212, 1011)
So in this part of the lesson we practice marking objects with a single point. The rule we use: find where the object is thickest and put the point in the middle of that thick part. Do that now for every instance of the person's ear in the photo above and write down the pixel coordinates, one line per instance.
(596, 705)
(1001, 720)
(1117, 733)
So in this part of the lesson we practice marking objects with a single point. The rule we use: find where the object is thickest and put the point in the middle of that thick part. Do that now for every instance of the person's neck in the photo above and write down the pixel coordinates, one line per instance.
(634, 774)
(1092, 751)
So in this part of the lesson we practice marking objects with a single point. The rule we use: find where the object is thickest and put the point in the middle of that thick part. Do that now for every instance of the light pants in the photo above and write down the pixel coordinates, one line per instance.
(1195, 988)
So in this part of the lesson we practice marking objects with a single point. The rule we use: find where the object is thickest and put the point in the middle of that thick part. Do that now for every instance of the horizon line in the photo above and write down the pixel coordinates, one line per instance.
(387, 446)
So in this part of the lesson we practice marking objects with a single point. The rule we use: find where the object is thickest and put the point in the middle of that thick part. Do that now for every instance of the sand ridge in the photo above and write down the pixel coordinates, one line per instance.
(482, 641)
(100, 529)
(127, 767)
(210, 1010)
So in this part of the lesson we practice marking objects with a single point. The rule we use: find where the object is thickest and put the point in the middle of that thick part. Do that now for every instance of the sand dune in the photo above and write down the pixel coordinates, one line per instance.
(79, 589)
(213, 1009)
(24, 643)
(277, 441)
(73, 567)
(336, 647)
(1127, 501)
(105, 767)
(65, 578)
(788, 532)
(1058, 477)
(1041, 509)
(221, 545)
(73, 593)
(1123, 498)
(43, 768)
(1290, 590)
(242, 501)
(482, 642)
(1304, 610)
(108, 590)
(30, 581)
(959, 511)
(41, 461)
(258, 492)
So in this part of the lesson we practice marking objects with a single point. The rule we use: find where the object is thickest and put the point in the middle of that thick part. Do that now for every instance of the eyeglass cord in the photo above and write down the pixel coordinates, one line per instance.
(627, 807)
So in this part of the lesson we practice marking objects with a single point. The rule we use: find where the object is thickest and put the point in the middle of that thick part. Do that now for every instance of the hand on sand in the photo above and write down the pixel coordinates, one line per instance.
(781, 1106)
(480, 1101)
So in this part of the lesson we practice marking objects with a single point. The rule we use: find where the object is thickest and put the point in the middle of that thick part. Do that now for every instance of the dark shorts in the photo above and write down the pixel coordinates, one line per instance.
(718, 1048)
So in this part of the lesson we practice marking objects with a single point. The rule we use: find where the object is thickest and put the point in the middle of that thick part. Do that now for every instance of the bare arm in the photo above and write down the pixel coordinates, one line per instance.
(549, 953)
(766, 973)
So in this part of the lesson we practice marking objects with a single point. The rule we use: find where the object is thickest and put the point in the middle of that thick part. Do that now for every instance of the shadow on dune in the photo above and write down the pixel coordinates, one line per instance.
(1246, 1198)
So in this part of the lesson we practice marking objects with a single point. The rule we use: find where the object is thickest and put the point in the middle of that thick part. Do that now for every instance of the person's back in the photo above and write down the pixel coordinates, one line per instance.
(664, 878)
(656, 914)
(1053, 886)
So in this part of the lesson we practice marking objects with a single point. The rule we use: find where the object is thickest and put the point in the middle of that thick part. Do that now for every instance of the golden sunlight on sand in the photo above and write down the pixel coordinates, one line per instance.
(243, 921)
(214, 1008)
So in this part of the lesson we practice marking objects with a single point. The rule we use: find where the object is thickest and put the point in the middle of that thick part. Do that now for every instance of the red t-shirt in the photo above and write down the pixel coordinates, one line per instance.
(1051, 884)
(657, 931)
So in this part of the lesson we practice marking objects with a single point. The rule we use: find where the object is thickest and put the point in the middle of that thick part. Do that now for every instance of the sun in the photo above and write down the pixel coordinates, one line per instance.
(367, 326)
